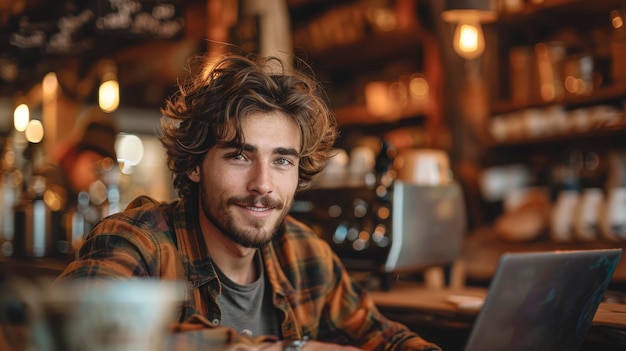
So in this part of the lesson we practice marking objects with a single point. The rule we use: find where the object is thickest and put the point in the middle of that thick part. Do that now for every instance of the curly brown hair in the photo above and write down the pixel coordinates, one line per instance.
(199, 114)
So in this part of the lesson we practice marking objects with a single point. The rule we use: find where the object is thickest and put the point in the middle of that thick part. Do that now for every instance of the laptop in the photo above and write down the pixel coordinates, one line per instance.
(542, 300)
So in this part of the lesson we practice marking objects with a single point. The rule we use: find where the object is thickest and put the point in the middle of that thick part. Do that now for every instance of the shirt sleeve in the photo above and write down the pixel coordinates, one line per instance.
(117, 249)
(330, 306)
(353, 314)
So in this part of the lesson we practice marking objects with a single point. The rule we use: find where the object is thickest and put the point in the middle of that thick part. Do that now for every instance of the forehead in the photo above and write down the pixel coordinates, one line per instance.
(270, 129)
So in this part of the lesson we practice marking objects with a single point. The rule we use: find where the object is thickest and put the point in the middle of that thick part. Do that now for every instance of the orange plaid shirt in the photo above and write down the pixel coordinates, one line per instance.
(312, 292)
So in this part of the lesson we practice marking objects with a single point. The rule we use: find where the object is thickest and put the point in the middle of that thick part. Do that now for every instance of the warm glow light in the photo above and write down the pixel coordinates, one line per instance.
(468, 16)
(616, 19)
(377, 100)
(109, 95)
(418, 87)
(50, 85)
(469, 41)
(129, 150)
(21, 116)
(34, 131)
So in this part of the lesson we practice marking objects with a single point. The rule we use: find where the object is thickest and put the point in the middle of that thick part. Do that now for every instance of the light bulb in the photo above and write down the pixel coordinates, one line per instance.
(50, 86)
(109, 91)
(34, 131)
(109, 95)
(21, 116)
(469, 40)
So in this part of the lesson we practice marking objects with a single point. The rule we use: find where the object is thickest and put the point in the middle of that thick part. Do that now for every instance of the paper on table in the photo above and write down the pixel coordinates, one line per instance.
(466, 302)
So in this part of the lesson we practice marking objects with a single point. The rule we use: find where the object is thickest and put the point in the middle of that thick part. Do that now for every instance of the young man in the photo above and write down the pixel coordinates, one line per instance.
(240, 141)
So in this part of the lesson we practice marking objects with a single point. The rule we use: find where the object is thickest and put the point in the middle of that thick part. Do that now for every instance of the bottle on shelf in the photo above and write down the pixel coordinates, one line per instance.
(34, 222)
(592, 198)
(566, 189)
(11, 182)
(613, 217)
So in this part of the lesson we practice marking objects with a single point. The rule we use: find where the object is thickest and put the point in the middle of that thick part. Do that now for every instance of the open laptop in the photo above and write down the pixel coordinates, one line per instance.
(542, 300)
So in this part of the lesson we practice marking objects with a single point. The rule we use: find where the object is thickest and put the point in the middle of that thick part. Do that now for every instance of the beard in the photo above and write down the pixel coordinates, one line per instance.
(255, 235)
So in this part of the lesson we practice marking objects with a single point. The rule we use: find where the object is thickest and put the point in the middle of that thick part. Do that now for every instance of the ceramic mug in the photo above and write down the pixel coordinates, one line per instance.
(94, 315)
(424, 167)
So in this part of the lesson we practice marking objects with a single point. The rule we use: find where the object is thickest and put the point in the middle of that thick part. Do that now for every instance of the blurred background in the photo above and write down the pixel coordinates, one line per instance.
(519, 103)
(469, 128)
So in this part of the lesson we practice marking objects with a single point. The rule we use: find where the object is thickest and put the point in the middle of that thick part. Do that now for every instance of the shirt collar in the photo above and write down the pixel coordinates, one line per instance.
(191, 244)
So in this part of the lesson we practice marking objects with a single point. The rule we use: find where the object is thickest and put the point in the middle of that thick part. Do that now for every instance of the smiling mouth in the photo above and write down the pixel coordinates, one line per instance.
(257, 204)
(258, 209)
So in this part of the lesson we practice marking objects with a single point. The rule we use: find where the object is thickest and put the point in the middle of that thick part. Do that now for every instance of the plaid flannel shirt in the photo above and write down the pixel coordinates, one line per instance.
(313, 292)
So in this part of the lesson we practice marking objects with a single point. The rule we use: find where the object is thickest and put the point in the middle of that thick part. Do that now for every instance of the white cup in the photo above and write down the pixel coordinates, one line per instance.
(587, 217)
(424, 167)
(562, 216)
(90, 315)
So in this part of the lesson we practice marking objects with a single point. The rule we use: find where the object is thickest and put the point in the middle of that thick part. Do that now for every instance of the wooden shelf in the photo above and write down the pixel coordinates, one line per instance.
(378, 47)
(607, 94)
(346, 64)
(606, 133)
(358, 115)
(577, 8)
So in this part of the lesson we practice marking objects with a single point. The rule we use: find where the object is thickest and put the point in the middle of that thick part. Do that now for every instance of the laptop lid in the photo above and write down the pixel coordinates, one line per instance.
(542, 300)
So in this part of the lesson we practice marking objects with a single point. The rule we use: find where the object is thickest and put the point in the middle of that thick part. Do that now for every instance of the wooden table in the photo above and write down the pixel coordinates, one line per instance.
(482, 250)
(421, 308)
(31, 267)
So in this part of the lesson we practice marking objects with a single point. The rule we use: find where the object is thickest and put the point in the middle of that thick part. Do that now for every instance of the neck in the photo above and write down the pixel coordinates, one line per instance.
(240, 269)
(234, 260)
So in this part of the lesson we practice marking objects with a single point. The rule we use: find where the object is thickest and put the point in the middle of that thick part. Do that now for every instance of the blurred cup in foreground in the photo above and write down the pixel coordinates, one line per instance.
(90, 315)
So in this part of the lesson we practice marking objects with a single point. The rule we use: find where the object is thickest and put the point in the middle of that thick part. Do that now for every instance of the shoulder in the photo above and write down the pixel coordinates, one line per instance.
(139, 241)
(146, 210)
(300, 246)
(143, 216)
(301, 235)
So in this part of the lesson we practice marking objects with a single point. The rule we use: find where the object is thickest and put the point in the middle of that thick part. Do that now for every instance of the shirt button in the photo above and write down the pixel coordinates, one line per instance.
(216, 321)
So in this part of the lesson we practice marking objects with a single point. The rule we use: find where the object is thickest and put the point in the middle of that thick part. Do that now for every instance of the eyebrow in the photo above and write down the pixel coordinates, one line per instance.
(250, 148)
(287, 151)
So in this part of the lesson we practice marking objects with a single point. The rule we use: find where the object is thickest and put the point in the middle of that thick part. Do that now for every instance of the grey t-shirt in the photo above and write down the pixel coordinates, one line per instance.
(248, 308)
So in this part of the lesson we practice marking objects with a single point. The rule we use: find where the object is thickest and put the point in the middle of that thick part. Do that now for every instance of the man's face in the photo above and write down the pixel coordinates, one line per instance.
(246, 195)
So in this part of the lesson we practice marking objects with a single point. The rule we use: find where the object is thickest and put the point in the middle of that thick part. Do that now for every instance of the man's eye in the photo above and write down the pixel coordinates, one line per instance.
(240, 157)
(284, 162)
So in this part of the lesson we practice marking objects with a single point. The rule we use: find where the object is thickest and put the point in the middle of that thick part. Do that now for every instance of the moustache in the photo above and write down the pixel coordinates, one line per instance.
(253, 201)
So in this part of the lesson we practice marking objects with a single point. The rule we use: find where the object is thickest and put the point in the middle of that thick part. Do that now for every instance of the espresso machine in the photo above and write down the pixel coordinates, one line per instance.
(387, 225)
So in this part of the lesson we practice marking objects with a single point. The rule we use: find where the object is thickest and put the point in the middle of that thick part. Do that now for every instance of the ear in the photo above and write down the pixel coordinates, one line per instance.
(194, 175)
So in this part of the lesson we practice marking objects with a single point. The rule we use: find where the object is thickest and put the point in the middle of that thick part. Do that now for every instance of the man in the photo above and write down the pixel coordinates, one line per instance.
(240, 141)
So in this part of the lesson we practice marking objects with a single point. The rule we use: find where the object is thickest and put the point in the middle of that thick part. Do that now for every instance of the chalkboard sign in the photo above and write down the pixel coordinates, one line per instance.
(158, 19)
(68, 31)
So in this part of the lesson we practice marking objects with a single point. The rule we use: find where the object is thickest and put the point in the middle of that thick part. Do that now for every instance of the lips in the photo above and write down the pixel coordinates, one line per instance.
(257, 204)
(258, 209)
(259, 212)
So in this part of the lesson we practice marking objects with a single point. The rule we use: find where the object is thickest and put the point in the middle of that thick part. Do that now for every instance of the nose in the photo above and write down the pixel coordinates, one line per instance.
(260, 181)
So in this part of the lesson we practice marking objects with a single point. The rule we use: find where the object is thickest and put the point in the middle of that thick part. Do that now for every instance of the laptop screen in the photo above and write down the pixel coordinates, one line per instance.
(543, 300)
